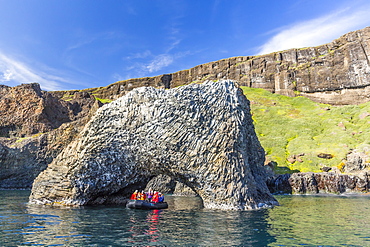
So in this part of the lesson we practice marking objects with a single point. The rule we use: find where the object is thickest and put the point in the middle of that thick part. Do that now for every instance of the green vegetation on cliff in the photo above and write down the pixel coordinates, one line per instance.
(296, 131)
(104, 101)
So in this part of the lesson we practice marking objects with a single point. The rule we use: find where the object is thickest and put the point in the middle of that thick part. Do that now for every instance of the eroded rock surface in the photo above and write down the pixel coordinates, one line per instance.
(201, 135)
(323, 182)
(35, 127)
(168, 185)
(357, 161)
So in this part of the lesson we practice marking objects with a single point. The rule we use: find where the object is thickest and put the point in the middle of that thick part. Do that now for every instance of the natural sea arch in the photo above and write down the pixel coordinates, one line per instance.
(201, 135)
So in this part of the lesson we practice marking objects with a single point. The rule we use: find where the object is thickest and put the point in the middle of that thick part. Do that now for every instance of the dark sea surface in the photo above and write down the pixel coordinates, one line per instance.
(299, 221)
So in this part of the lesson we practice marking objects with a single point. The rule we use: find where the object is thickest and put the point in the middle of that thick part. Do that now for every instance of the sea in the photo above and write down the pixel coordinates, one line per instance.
(298, 221)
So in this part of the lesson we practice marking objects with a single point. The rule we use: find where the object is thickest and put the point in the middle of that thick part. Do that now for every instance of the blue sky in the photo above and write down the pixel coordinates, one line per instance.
(76, 44)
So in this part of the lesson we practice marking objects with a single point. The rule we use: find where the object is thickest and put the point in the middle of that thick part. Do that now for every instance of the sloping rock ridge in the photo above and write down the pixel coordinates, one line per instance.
(334, 73)
(201, 135)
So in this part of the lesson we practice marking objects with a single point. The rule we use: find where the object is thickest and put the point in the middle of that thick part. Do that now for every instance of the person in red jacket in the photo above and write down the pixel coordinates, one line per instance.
(134, 195)
(155, 197)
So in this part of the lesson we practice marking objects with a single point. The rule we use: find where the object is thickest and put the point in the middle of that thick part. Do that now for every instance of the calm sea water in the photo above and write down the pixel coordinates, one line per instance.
(300, 220)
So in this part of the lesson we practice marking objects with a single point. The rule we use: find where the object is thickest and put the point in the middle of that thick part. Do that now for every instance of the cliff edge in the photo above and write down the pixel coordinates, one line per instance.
(336, 73)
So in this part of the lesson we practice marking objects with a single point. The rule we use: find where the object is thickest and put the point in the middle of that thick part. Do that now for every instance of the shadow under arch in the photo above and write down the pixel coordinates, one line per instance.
(169, 185)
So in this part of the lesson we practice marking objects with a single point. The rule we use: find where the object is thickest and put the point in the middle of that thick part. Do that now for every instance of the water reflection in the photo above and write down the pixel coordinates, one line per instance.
(300, 220)
(184, 223)
(320, 220)
(184, 203)
(188, 222)
(52, 226)
(144, 229)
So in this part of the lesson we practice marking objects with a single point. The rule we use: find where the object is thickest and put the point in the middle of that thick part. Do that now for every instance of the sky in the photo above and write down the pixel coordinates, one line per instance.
(77, 44)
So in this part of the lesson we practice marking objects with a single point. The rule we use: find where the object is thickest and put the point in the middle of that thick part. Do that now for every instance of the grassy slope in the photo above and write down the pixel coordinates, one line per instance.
(289, 126)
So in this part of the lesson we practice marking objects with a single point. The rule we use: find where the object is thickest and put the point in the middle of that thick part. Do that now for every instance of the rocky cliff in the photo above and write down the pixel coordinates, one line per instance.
(34, 128)
(201, 135)
(334, 73)
(315, 183)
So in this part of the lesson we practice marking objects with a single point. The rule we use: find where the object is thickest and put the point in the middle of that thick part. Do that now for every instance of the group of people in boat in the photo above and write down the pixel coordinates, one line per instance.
(150, 196)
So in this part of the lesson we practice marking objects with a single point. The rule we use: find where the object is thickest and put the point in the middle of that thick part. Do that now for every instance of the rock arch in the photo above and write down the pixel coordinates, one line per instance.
(201, 134)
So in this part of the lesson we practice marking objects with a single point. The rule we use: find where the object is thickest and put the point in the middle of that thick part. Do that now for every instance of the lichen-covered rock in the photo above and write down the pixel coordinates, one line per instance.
(201, 135)
(357, 161)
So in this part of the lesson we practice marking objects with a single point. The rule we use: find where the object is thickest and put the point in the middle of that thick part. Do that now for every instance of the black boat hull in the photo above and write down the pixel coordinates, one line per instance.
(138, 204)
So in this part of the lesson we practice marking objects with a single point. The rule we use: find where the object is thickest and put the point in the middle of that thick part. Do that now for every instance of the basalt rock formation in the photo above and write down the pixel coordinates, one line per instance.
(34, 128)
(353, 177)
(168, 185)
(334, 73)
(315, 183)
(201, 135)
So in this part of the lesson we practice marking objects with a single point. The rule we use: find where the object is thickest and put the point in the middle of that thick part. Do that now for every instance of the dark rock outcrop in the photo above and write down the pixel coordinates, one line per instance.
(162, 183)
(35, 126)
(26, 110)
(357, 161)
(201, 135)
(323, 182)
(168, 185)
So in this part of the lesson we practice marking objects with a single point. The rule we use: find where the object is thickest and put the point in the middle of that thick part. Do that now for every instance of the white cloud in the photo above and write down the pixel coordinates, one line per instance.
(159, 62)
(13, 73)
(318, 31)
(139, 55)
(7, 75)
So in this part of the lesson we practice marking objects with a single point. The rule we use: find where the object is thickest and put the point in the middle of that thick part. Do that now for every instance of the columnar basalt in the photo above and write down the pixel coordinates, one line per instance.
(201, 135)
(323, 183)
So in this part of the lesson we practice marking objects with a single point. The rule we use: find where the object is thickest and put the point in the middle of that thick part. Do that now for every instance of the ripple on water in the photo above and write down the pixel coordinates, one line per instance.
(301, 220)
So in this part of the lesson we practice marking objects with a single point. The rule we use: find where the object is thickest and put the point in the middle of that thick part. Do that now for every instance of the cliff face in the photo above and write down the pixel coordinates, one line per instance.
(315, 183)
(201, 135)
(34, 128)
(334, 73)
(27, 110)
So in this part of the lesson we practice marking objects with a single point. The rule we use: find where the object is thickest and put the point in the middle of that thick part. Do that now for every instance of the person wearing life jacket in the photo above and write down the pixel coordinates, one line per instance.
(149, 195)
(141, 196)
(160, 197)
(134, 195)
(155, 197)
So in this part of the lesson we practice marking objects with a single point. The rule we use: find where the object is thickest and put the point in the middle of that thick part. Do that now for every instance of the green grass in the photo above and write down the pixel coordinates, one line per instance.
(289, 126)
(67, 97)
(104, 101)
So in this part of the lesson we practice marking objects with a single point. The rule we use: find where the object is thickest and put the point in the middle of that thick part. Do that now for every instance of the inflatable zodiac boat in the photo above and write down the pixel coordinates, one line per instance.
(138, 204)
